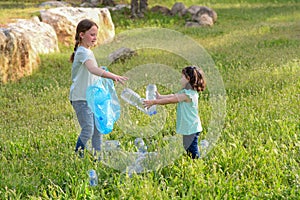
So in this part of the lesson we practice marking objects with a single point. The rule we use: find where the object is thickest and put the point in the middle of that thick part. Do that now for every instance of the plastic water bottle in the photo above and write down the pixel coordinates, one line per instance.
(137, 166)
(133, 98)
(140, 144)
(93, 177)
(204, 147)
(151, 95)
(111, 145)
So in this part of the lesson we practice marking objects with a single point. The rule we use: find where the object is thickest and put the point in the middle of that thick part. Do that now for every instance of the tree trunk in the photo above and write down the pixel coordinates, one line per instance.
(138, 8)
(108, 3)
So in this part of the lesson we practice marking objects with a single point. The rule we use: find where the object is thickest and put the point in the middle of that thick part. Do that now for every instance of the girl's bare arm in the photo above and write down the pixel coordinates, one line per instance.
(167, 99)
(101, 72)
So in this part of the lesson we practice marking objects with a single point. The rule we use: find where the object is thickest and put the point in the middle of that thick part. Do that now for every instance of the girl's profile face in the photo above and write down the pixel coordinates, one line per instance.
(184, 81)
(89, 38)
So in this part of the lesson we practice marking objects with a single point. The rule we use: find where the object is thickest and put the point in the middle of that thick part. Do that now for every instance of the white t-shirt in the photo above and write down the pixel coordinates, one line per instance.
(81, 77)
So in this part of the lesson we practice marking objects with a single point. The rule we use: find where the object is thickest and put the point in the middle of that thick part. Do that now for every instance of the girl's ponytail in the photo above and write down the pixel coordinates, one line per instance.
(201, 83)
(196, 78)
(75, 48)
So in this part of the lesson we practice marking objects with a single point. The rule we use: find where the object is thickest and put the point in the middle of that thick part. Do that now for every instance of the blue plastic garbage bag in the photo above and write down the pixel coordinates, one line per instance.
(104, 103)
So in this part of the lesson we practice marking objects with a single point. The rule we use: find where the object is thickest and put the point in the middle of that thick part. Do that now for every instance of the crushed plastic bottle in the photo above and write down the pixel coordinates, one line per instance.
(133, 98)
(140, 144)
(151, 95)
(137, 166)
(204, 144)
(111, 145)
(93, 178)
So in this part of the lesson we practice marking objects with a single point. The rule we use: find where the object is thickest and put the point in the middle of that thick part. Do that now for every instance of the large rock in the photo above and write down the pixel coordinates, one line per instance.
(20, 46)
(178, 8)
(121, 54)
(42, 36)
(161, 9)
(49, 4)
(201, 16)
(64, 20)
(203, 19)
(197, 11)
(16, 56)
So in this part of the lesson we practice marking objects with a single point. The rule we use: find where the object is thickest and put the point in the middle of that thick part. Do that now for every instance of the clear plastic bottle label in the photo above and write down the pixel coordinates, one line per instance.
(151, 95)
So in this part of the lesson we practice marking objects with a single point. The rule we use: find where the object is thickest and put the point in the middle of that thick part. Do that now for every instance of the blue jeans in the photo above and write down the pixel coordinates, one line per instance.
(190, 144)
(86, 121)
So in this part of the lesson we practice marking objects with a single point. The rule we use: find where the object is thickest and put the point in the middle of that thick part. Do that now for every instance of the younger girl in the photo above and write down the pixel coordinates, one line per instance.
(84, 71)
(187, 119)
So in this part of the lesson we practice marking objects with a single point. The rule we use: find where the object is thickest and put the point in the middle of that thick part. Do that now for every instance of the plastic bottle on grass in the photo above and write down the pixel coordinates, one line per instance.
(111, 145)
(137, 166)
(203, 147)
(151, 95)
(140, 144)
(133, 98)
(93, 178)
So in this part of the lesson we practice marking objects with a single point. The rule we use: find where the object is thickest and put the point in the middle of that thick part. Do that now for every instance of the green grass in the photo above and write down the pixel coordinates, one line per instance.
(255, 46)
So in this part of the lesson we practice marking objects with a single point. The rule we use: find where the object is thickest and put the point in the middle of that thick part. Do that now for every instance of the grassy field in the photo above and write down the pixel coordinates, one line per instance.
(255, 46)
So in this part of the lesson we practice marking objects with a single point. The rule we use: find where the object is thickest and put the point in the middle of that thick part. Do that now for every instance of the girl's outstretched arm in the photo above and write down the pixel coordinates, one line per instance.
(101, 72)
(167, 99)
(160, 96)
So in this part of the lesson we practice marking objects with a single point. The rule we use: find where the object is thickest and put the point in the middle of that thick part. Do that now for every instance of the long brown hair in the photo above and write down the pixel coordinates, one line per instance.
(83, 26)
(196, 78)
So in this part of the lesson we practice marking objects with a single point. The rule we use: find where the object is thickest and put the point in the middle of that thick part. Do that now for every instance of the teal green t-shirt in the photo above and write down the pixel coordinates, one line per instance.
(187, 117)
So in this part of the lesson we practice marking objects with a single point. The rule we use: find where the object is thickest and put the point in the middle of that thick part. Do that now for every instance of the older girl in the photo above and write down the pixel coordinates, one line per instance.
(84, 71)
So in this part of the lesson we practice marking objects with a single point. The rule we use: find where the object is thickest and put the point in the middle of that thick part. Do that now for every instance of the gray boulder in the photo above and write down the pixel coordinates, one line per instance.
(48, 4)
(121, 54)
(178, 8)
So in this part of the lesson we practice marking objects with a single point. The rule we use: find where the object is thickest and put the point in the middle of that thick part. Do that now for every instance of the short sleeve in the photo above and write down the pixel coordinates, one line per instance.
(191, 94)
(83, 55)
